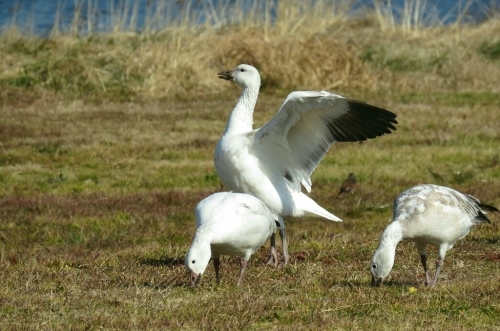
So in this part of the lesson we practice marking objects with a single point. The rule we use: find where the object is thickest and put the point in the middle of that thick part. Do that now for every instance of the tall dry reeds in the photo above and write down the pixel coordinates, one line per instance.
(300, 45)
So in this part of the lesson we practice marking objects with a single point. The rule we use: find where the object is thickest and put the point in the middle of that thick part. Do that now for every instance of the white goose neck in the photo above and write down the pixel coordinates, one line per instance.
(241, 118)
(203, 235)
(392, 235)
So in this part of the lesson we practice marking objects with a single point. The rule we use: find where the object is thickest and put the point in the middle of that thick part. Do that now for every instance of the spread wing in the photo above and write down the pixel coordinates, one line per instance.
(308, 123)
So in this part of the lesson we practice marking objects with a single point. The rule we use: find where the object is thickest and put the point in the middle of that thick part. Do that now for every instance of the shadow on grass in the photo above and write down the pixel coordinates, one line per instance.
(398, 284)
(163, 262)
(492, 240)
(364, 284)
(176, 282)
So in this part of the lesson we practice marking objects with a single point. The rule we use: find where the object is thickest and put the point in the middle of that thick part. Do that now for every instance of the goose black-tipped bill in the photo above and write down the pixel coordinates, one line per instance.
(194, 278)
(225, 75)
(377, 281)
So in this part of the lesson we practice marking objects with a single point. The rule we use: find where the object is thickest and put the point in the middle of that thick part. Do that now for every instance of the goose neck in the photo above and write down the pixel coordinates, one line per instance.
(204, 233)
(241, 118)
(392, 235)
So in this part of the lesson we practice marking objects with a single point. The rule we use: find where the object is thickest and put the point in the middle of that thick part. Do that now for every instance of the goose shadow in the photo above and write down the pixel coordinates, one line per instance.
(176, 282)
(367, 284)
(168, 261)
(171, 280)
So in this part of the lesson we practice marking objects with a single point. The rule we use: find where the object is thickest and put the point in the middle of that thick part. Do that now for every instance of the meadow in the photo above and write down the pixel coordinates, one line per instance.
(106, 147)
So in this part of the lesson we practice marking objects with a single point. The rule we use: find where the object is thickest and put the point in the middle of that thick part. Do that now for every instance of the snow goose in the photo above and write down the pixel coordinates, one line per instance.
(428, 215)
(274, 161)
(228, 223)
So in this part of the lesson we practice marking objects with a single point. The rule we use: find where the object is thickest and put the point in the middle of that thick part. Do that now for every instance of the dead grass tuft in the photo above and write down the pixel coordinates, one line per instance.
(309, 61)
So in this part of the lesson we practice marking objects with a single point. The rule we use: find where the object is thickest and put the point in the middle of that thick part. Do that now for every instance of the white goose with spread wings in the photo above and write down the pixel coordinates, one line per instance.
(274, 161)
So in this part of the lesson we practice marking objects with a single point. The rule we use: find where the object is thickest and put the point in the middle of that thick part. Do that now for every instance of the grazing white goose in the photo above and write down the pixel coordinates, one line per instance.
(274, 161)
(428, 215)
(228, 223)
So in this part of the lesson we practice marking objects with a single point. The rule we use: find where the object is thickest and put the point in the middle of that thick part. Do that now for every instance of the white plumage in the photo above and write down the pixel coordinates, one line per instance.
(428, 215)
(274, 161)
(228, 223)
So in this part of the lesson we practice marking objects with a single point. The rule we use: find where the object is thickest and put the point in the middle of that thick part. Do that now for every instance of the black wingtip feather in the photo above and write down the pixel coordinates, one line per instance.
(488, 207)
(370, 110)
(482, 217)
(362, 122)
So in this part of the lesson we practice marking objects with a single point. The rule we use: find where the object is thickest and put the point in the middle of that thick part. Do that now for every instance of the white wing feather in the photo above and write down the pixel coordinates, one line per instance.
(298, 135)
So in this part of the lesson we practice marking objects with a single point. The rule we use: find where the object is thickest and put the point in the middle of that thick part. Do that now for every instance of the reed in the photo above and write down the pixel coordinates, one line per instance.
(309, 45)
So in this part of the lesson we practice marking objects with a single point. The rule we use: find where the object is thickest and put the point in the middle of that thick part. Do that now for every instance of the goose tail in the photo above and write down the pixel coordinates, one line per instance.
(307, 207)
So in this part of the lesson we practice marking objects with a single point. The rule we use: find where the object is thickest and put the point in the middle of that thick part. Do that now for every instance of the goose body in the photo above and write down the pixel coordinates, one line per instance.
(428, 215)
(274, 161)
(228, 223)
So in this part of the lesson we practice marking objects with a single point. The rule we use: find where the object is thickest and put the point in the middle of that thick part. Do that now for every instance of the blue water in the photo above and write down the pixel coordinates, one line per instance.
(41, 17)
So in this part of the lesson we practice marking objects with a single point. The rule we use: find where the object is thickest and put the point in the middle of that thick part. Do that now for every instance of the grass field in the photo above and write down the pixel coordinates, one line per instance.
(106, 146)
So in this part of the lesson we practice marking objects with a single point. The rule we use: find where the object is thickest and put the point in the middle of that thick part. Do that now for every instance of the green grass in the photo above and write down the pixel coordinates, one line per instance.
(454, 99)
(97, 211)
(491, 50)
(405, 61)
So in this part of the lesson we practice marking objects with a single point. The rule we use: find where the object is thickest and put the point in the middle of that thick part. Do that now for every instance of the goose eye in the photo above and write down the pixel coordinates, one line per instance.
(374, 266)
(242, 70)
(193, 262)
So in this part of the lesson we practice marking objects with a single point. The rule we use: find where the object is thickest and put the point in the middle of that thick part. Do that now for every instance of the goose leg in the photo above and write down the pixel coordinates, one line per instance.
(284, 244)
(243, 265)
(439, 264)
(423, 259)
(422, 251)
(443, 248)
(273, 258)
(217, 265)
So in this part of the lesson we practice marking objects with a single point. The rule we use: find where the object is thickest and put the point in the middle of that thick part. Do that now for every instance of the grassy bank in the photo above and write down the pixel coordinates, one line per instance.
(106, 146)
(308, 47)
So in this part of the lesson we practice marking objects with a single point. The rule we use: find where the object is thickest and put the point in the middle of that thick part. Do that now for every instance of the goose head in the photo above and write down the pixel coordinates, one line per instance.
(381, 265)
(244, 75)
(196, 262)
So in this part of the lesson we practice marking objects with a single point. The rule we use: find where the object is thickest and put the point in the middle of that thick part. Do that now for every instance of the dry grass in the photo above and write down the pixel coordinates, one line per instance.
(307, 47)
(96, 215)
(103, 158)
